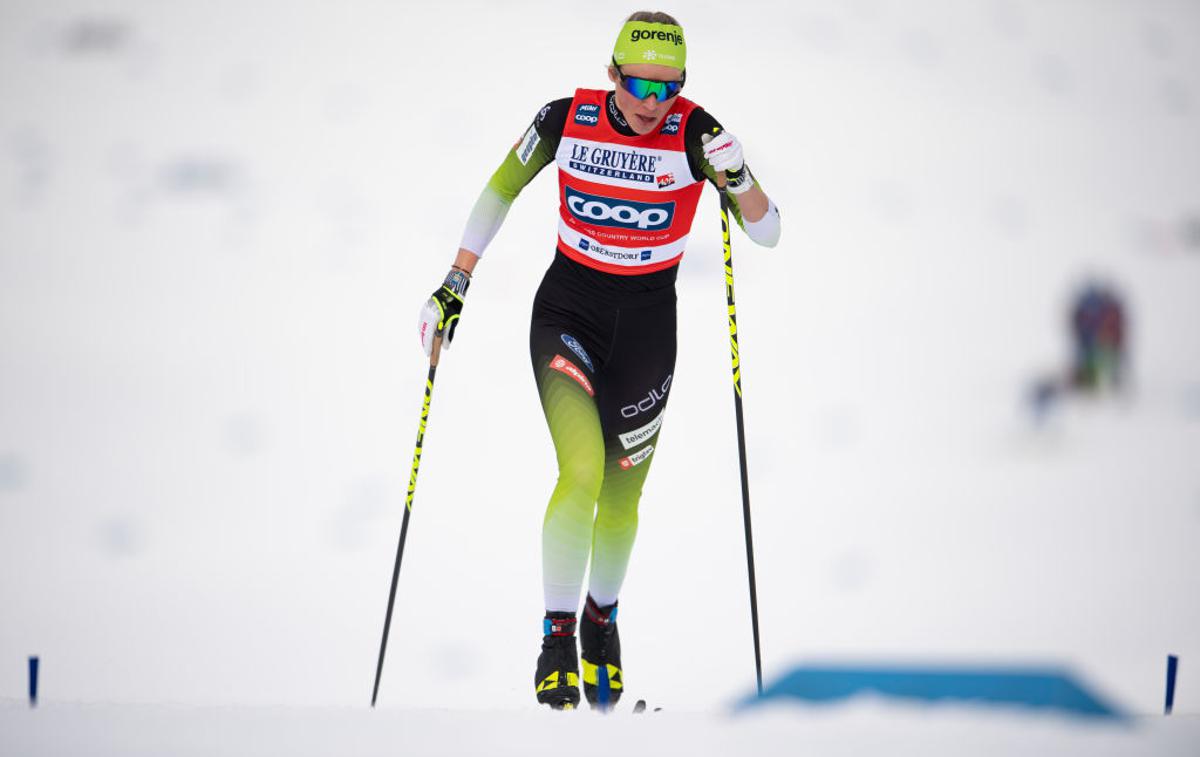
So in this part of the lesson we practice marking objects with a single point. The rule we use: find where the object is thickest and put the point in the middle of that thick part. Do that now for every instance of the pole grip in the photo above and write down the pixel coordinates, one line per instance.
(436, 353)
(720, 175)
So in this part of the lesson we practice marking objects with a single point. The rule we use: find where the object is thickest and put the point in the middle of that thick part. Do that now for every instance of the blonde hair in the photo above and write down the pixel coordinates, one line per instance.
(653, 17)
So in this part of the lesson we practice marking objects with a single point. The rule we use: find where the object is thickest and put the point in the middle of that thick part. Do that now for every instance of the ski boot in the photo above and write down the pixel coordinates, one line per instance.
(557, 678)
(601, 646)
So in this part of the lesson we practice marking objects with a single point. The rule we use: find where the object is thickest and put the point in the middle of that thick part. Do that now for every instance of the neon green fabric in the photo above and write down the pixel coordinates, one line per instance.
(592, 517)
(647, 42)
(512, 175)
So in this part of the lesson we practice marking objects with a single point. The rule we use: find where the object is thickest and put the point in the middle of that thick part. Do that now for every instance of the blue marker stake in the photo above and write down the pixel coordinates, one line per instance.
(33, 674)
(603, 692)
(1172, 667)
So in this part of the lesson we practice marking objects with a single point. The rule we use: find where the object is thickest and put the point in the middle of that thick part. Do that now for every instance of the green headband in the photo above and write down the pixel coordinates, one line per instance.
(647, 42)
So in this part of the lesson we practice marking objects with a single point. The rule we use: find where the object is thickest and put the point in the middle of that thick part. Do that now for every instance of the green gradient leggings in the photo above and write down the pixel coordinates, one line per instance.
(603, 351)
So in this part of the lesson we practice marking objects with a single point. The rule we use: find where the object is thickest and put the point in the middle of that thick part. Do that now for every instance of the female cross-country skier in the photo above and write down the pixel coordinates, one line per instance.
(631, 166)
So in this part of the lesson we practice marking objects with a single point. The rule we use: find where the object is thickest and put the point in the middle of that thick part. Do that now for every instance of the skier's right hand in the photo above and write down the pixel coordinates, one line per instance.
(439, 314)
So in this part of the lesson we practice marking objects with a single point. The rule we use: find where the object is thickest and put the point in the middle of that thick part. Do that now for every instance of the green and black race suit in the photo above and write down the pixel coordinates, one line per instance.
(602, 347)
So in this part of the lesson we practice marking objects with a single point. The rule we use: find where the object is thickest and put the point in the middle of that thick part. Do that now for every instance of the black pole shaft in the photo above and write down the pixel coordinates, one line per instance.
(741, 433)
(412, 488)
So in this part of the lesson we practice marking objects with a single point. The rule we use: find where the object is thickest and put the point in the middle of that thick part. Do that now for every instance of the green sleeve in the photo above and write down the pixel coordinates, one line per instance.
(532, 152)
(512, 175)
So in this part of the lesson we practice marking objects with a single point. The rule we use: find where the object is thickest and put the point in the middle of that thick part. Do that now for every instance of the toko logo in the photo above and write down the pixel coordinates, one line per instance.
(624, 214)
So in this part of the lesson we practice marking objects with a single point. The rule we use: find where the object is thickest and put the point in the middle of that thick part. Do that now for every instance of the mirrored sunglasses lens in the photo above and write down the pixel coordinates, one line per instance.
(639, 88)
(643, 88)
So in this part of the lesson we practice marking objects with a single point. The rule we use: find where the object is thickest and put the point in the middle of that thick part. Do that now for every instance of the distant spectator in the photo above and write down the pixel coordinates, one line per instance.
(1099, 326)
(1098, 333)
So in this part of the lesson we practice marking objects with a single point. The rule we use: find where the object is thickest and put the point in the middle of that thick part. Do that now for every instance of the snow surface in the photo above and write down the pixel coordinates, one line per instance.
(217, 221)
(865, 728)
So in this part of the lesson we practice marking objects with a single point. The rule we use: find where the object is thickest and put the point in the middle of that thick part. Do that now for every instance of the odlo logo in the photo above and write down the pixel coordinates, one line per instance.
(624, 214)
(652, 398)
(587, 115)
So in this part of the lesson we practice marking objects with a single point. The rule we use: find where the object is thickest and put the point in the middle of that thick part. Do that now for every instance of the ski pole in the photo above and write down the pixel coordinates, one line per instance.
(741, 433)
(412, 487)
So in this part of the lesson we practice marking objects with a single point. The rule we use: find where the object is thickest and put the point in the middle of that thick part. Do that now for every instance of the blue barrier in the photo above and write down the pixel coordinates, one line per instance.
(1037, 688)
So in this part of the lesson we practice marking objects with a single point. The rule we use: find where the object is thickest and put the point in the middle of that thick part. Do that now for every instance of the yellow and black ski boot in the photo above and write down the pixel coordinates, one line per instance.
(557, 678)
(601, 647)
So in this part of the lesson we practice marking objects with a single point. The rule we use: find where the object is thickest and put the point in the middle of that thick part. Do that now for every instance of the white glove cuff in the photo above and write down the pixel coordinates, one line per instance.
(738, 187)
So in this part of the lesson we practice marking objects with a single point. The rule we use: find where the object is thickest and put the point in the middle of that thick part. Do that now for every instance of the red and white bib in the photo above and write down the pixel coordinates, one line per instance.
(626, 204)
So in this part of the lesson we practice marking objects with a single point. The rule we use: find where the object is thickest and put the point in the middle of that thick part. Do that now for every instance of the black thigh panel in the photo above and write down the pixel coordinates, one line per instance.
(619, 331)
(638, 373)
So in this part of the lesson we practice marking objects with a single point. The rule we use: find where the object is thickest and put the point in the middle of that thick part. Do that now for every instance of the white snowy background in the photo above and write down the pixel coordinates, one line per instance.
(217, 222)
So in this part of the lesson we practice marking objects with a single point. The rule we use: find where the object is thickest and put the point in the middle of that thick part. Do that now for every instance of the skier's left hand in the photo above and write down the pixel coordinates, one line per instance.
(724, 153)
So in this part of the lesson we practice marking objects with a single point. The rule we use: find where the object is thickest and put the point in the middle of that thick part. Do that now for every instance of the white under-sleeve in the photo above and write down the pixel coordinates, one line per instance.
(765, 231)
(485, 220)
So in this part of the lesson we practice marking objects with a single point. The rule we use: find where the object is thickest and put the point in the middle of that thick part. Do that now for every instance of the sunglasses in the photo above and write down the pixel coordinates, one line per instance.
(643, 88)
